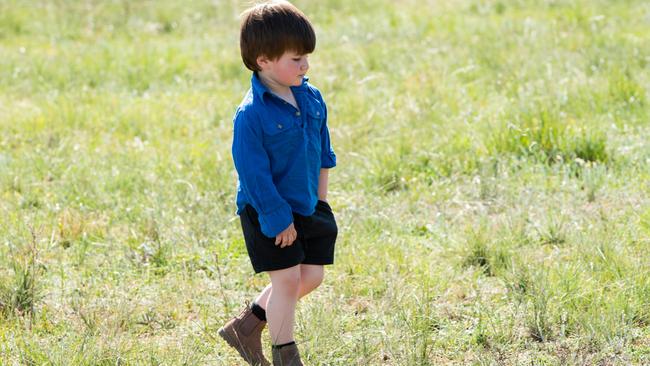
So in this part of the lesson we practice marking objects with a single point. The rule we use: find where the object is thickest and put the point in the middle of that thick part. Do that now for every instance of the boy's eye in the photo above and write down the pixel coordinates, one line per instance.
(296, 59)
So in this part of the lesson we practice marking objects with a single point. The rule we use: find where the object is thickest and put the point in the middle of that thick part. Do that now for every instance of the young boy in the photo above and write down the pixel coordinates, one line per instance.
(282, 153)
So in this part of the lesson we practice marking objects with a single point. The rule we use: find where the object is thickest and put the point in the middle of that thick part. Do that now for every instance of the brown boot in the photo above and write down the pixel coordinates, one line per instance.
(244, 333)
(286, 356)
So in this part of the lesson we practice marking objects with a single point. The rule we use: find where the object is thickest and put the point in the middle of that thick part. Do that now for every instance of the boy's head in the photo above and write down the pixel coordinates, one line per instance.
(271, 29)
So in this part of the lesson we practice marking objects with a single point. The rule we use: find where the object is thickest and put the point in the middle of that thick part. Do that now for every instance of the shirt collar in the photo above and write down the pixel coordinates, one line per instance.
(260, 89)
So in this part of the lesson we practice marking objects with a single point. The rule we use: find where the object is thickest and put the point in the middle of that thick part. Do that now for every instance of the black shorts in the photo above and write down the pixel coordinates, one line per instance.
(314, 244)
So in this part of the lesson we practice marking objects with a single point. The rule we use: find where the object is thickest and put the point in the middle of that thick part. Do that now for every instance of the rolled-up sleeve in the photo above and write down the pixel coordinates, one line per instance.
(328, 157)
(254, 170)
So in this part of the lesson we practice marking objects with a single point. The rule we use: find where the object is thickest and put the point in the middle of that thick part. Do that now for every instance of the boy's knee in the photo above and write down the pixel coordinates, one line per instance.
(313, 276)
(291, 282)
(288, 281)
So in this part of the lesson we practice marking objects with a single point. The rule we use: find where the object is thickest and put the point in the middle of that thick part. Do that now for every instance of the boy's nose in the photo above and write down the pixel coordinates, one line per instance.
(305, 65)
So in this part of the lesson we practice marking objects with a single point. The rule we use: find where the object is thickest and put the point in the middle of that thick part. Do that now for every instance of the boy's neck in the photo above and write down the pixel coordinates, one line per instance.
(280, 90)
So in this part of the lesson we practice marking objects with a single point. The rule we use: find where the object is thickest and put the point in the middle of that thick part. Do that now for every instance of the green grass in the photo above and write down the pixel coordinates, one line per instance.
(492, 188)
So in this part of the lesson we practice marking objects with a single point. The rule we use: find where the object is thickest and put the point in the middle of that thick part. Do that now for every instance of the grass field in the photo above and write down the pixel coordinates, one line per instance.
(492, 192)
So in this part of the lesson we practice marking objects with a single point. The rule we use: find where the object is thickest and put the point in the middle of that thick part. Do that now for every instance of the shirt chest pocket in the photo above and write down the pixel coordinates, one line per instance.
(315, 117)
(315, 121)
(281, 136)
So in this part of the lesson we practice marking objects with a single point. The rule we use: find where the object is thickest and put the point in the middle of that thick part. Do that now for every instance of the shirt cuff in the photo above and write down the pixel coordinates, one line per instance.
(328, 161)
(276, 221)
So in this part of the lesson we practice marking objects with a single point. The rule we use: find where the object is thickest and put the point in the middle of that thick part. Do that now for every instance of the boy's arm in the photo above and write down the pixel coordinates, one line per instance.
(322, 184)
(254, 170)
(328, 157)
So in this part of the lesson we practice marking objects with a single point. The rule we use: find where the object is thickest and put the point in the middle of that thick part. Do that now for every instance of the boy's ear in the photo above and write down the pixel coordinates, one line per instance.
(262, 62)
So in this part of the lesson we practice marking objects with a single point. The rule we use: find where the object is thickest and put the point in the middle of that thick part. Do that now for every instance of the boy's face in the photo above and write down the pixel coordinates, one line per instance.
(288, 70)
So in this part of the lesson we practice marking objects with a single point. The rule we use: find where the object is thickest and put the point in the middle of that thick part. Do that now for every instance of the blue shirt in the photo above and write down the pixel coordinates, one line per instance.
(278, 152)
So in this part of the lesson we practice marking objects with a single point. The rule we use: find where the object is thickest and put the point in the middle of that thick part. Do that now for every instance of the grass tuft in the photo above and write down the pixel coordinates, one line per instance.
(545, 134)
(20, 291)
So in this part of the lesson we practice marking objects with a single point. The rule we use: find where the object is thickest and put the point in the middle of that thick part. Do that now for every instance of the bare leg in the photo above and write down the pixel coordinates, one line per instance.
(263, 298)
(311, 276)
(281, 305)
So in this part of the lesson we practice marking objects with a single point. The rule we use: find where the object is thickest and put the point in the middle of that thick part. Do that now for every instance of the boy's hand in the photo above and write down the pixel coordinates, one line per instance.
(287, 237)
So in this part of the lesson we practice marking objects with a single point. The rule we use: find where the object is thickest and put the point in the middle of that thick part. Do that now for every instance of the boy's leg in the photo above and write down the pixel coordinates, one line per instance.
(281, 306)
(311, 276)
(244, 331)
(263, 298)
(249, 344)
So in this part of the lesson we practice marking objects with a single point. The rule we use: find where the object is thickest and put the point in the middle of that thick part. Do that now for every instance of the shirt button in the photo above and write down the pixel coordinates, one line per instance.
(318, 113)
(279, 126)
(297, 113)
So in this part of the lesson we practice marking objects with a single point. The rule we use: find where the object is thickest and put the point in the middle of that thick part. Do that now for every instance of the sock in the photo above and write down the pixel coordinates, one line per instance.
(258, 311)
(278, 346)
